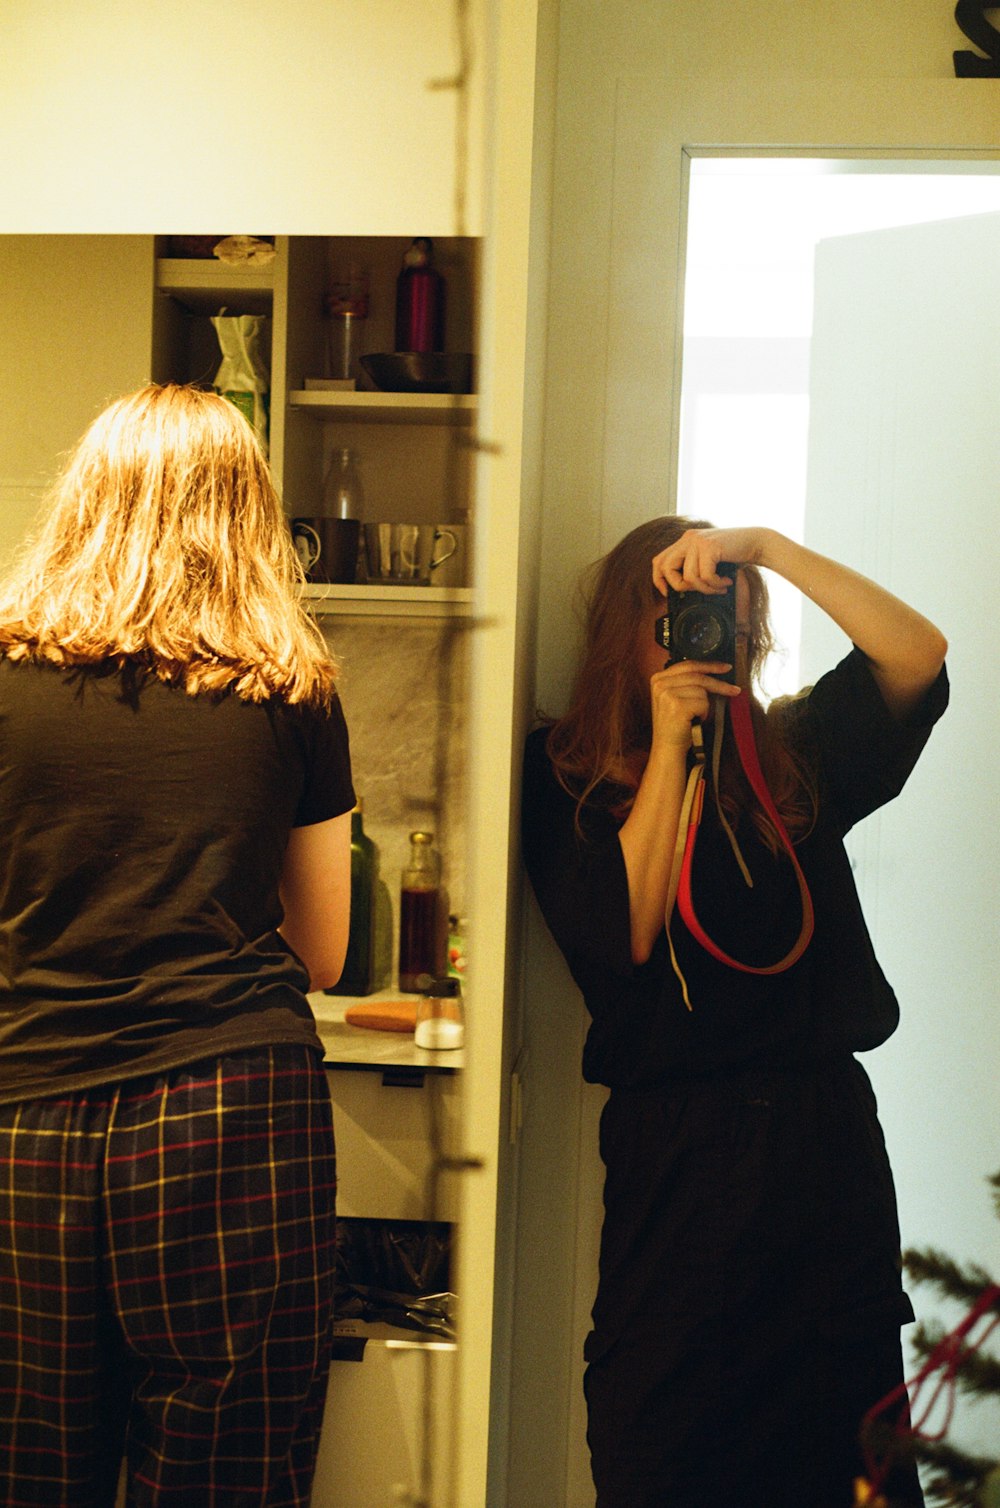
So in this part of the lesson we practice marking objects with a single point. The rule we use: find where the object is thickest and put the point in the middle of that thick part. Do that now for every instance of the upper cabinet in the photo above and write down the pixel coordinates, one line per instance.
(409, 433)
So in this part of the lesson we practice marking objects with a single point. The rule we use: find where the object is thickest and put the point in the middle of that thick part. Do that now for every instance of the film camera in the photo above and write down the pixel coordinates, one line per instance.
(701, 627)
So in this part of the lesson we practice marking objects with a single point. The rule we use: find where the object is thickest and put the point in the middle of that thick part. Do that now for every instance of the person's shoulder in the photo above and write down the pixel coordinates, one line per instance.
(308, 712)
(535, 743)
(538, 771)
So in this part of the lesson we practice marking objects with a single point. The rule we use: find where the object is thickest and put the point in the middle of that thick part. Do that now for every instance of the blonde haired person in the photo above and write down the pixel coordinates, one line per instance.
(749, 1298)
(175, 796)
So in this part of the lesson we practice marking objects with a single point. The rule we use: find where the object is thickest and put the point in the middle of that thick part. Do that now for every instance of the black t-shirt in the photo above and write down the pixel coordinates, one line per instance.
(142, 833)
(834, 1001)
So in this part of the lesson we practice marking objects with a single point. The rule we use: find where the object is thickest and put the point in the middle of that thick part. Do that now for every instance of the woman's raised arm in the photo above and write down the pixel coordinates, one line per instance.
(905, 650)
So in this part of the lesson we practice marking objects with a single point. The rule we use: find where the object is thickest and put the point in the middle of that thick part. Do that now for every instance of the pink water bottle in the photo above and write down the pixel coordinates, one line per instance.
(419, 300)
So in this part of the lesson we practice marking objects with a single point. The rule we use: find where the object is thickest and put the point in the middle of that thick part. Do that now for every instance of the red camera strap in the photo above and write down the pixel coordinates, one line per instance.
(687, 837)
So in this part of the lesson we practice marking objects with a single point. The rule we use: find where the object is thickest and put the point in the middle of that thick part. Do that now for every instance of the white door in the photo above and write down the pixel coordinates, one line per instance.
(904, 484)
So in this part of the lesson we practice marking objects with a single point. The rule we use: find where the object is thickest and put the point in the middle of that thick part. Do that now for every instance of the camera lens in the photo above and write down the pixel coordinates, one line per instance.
(700, 633)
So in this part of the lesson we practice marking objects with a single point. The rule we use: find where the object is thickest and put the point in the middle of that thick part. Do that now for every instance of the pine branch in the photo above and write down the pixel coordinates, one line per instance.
(976, 1373)
(956, 1280)
(956, 1477)
(994, 1183)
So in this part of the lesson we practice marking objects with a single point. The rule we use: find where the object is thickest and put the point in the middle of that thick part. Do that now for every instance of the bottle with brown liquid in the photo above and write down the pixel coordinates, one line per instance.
(419, 920)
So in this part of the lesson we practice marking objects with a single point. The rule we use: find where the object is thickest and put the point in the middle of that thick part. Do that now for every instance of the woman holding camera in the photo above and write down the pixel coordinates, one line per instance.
(750, 1298)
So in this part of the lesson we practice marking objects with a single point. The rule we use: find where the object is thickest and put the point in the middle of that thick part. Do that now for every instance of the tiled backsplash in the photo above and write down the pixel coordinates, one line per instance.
(403, 688)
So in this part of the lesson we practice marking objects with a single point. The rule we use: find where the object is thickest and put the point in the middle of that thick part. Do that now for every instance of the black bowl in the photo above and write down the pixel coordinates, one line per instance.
(419, 371)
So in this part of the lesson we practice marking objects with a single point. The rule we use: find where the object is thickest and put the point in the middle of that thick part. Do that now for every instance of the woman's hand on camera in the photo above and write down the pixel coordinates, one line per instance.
(691, 563)
(680, 695)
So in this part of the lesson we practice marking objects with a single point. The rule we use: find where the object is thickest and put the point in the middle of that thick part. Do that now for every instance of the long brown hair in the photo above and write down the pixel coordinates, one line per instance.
(603, 738)
(164, 547)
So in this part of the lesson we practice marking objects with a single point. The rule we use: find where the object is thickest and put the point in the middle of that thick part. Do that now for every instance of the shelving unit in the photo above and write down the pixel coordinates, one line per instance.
(386, 1093)
(345, 600)
(395, 1105)
(202, 286)
(385, 408)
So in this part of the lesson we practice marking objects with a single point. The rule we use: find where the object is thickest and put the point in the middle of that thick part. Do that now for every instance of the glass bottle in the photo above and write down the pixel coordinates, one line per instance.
(343, 494)
(419, 904)
(420, 300)
(359, 965)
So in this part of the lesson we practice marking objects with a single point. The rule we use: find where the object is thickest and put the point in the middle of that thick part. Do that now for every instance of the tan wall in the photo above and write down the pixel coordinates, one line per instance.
(72, 339)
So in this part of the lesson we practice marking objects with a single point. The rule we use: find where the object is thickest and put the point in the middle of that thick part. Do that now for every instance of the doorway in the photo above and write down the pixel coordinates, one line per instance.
(753, 228)
(841, 361)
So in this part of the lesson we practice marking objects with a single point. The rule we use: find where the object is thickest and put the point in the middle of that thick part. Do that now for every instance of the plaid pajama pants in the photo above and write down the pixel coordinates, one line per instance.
(166, 1280)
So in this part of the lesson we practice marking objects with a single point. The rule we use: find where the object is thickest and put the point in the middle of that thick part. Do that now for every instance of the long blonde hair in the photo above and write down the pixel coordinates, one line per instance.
(164, 547)
(603, 738)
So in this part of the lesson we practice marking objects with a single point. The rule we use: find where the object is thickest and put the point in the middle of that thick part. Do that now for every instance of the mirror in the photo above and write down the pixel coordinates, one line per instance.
(753, 228)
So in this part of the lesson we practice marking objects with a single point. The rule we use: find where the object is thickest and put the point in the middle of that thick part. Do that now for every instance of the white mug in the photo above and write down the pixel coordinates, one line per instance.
(406, 554)
(452, 569)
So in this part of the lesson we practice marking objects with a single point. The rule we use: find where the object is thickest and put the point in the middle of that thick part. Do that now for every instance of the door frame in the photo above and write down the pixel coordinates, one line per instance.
(662, 122)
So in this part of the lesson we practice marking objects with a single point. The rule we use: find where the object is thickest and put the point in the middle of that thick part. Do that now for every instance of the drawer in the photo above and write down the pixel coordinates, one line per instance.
(382, 1414)
(385, 1133)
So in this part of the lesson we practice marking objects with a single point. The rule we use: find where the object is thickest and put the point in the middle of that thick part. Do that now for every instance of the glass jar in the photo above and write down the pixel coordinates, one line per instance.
(419, 914)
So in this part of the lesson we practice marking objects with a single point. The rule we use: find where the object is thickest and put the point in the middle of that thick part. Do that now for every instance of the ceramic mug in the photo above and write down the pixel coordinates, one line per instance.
(327, 547)
(453, 569)
(406, 554)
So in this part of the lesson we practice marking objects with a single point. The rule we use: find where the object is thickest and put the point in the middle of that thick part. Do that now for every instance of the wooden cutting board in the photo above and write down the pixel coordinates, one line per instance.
(384, 1015)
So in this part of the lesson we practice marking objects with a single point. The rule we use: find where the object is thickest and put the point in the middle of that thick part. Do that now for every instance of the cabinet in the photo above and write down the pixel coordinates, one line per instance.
(412, 446)
(396, 1113)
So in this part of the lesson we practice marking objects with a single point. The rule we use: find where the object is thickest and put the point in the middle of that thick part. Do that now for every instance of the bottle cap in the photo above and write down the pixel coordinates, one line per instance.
(443, 987)
(419, 252)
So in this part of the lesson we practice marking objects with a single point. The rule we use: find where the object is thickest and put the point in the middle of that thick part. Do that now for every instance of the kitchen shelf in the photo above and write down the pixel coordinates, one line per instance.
(352, 1337)
(347, 1046)
(204, 286)
(385, 408)
(388, 601)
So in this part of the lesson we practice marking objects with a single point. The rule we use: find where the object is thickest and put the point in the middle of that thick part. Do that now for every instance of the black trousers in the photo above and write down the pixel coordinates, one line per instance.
(749, 1304)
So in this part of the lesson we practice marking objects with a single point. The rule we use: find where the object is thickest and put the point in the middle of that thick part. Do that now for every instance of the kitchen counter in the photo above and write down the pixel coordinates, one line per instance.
(346, 1046)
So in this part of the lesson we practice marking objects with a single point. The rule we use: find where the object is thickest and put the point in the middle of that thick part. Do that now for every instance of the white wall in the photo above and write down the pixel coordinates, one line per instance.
(309, 117)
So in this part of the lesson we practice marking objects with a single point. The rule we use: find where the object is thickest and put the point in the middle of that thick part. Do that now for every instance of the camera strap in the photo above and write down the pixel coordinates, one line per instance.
(680, 892)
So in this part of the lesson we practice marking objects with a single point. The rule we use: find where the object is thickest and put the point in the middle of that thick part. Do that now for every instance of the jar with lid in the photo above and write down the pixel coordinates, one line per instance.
(419, 918)
(440, 1022)
(347, 310)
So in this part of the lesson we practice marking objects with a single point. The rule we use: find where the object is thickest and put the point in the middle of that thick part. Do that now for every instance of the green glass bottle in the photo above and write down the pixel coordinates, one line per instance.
(359, 965)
